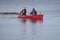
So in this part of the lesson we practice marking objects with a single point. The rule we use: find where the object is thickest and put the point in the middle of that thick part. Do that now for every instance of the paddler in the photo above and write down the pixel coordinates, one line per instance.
(23, 12)
(33, 12)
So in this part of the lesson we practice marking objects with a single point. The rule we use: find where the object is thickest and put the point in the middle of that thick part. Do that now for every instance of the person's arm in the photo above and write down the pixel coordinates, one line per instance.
(21, 12)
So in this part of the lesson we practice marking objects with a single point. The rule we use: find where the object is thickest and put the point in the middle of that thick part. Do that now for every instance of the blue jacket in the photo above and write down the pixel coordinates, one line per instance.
(33, 12)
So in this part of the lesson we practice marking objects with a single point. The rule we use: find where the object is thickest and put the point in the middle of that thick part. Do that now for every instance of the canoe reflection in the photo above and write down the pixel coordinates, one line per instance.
(31, 20)
(36, 20)
(22, 20)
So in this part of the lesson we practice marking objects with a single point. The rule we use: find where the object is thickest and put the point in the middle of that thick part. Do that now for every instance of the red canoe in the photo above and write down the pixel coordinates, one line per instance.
(31, 17)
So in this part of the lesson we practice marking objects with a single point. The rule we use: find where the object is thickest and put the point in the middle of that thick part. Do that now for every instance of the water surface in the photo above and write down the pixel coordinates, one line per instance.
(13, 28)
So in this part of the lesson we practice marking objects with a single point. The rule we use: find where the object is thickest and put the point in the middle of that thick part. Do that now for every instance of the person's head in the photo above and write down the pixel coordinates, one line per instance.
(33, 8)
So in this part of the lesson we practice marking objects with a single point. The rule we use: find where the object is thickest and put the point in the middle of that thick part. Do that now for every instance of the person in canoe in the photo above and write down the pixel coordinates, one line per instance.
(33, 12)
(23, 12)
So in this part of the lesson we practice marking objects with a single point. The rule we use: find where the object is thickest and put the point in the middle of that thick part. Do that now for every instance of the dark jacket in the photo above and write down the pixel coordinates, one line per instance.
(33, 12)
(23, 12)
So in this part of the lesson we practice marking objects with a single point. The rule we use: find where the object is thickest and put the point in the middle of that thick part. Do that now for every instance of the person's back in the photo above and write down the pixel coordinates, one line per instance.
(33, 12)
(23, 12)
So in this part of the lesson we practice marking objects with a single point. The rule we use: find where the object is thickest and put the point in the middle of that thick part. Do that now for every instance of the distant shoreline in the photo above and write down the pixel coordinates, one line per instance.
(8, 13)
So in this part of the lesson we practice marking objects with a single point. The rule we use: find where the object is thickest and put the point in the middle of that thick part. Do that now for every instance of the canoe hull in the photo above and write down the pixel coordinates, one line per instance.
(31, 17)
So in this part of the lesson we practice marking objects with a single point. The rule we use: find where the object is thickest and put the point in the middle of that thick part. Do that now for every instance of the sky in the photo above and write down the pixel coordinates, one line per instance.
(40, 5)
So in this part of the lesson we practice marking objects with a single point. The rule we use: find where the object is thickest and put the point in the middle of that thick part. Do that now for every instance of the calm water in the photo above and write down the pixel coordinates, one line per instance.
(13, 28)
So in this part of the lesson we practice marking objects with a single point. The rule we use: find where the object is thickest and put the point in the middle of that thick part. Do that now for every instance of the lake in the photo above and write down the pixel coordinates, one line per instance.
(13, 28)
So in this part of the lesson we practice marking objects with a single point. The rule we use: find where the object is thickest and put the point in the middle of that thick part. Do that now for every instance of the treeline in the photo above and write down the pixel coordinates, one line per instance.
(8, 13)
